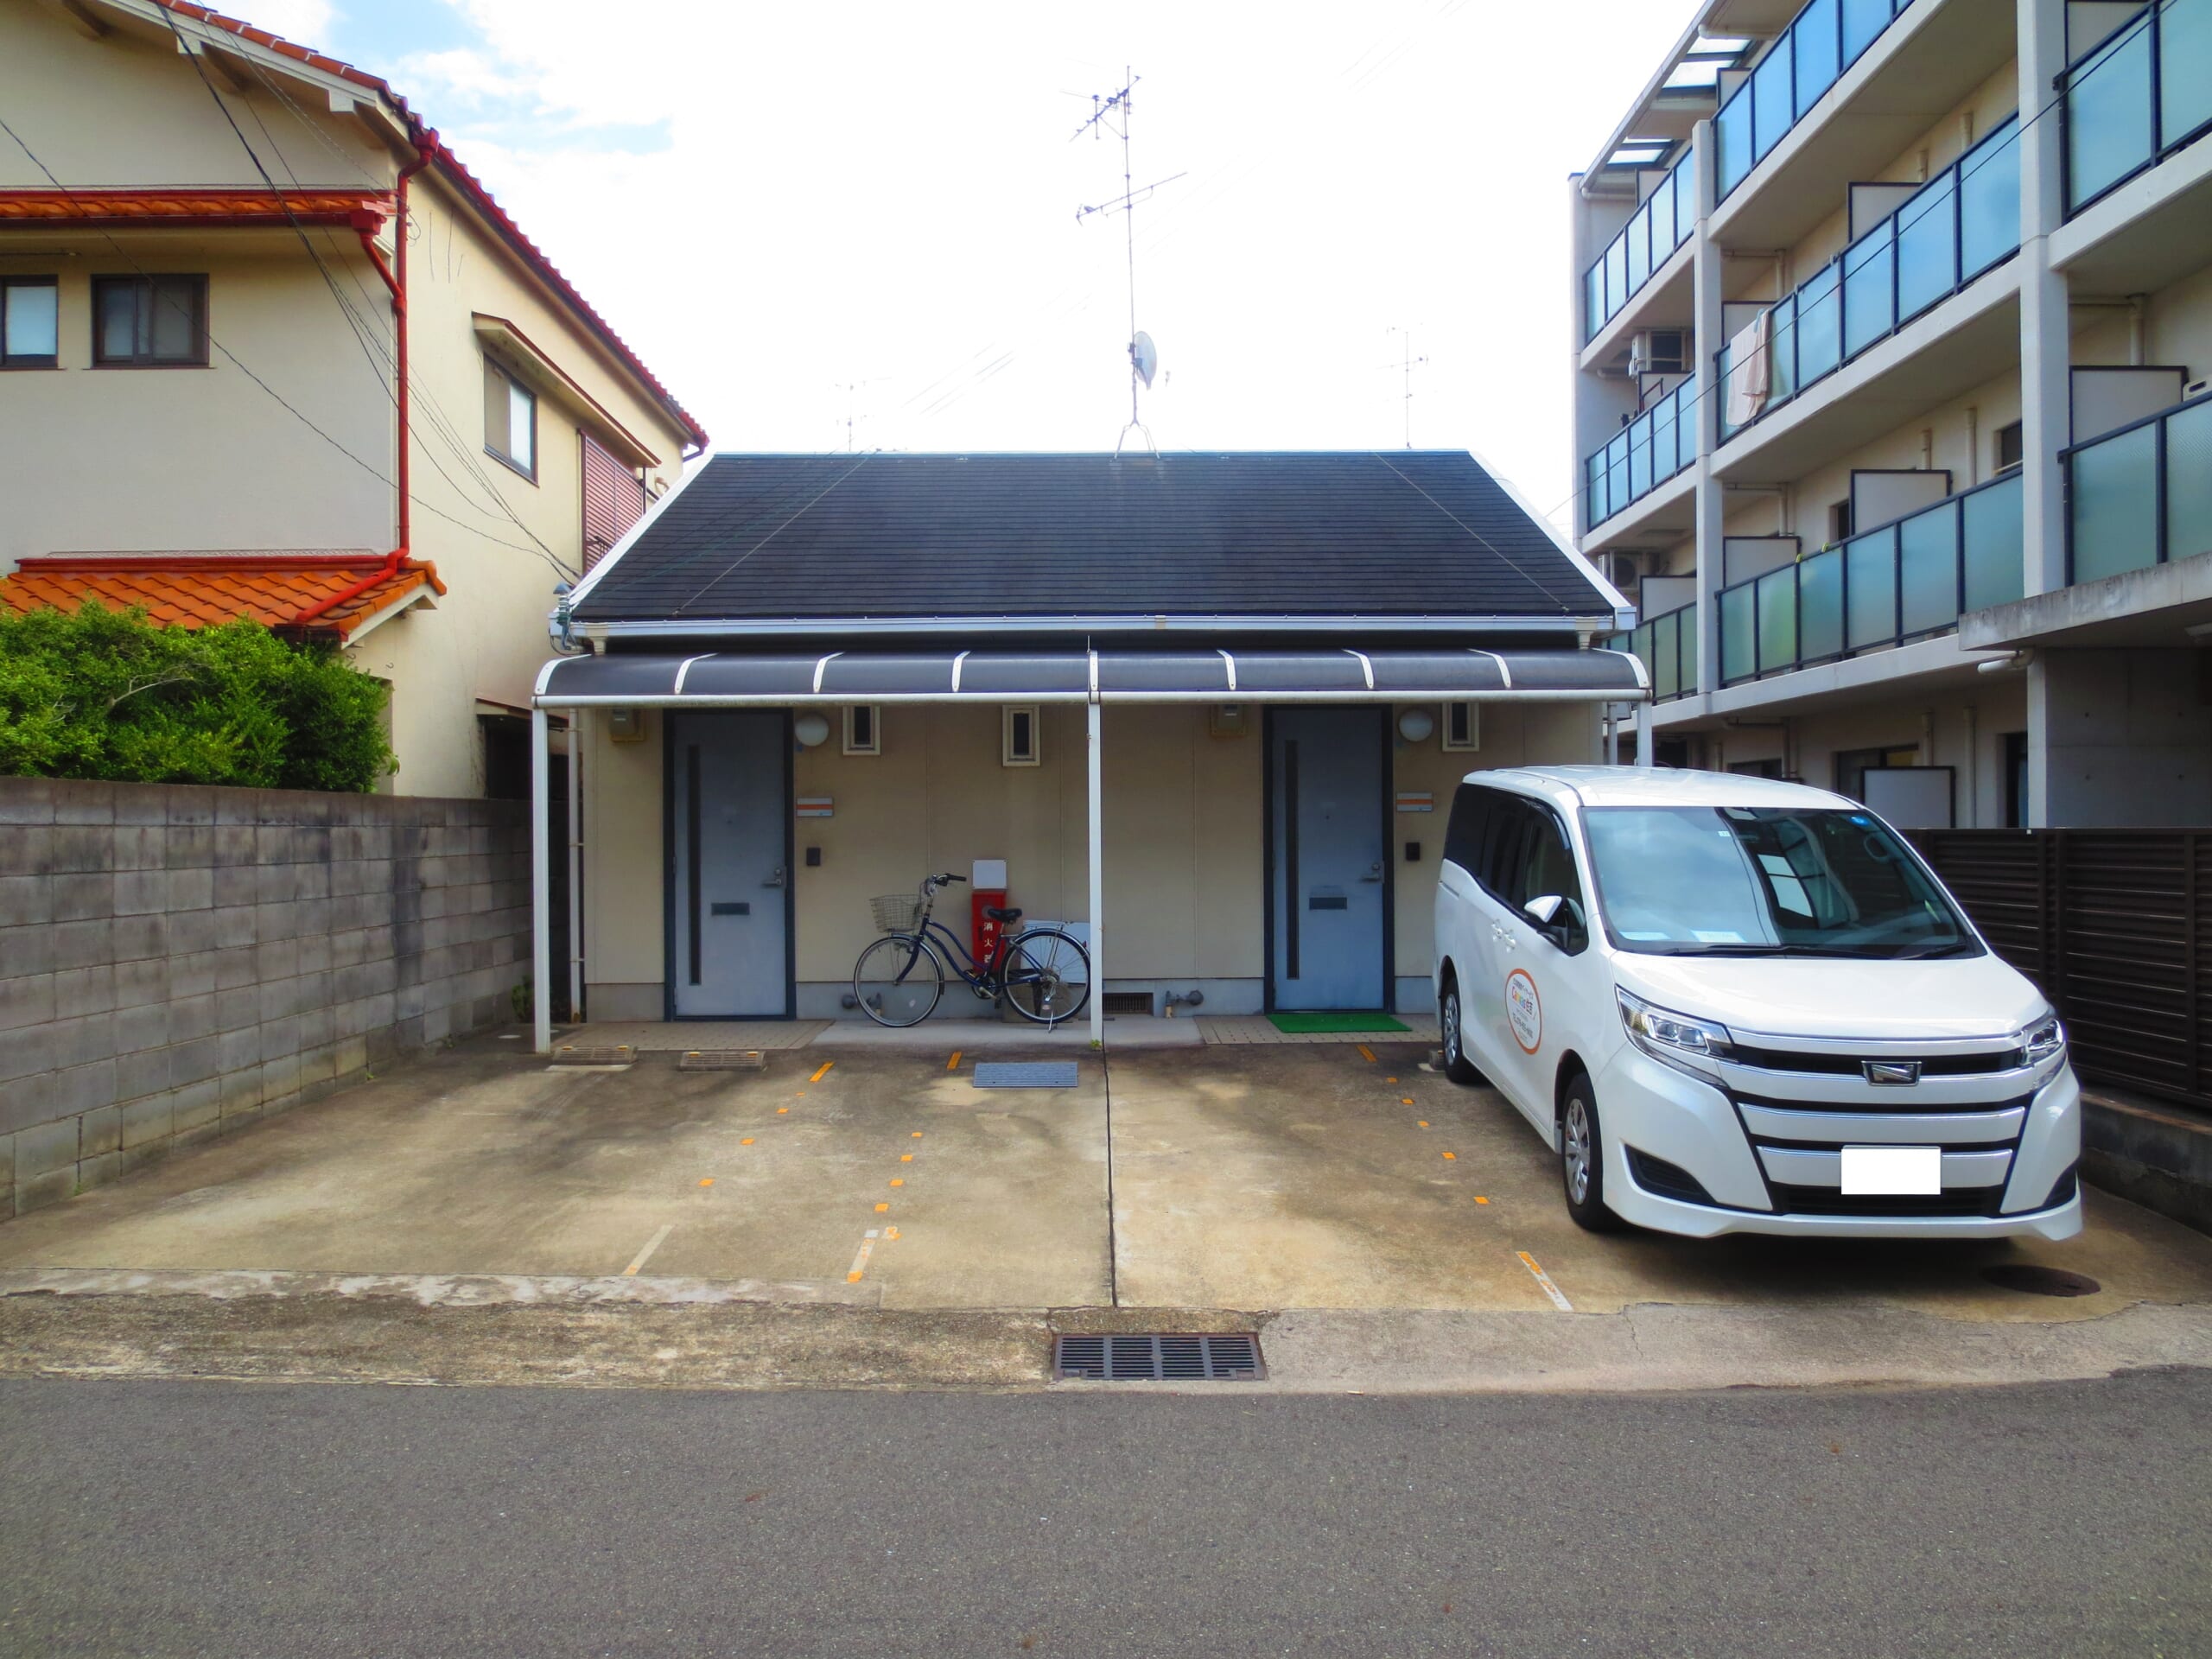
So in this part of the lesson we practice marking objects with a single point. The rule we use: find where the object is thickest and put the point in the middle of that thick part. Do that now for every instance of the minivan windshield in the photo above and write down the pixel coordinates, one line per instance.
(1766, 882)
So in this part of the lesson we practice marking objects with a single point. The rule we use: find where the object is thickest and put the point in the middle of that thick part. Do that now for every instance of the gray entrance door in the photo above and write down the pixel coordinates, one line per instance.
(729, 865)
(1329, 888)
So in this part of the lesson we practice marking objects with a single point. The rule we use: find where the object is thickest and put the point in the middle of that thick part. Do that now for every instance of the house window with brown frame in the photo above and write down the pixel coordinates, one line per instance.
(30, 322)
(150, 322)
(510, 420)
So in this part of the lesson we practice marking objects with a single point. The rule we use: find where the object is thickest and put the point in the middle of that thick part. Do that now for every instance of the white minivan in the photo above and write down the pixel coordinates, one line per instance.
(1736, 1005)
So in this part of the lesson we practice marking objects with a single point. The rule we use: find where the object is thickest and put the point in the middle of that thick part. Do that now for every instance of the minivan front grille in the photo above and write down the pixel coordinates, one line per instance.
(1833, 1201)
(1852, 1065)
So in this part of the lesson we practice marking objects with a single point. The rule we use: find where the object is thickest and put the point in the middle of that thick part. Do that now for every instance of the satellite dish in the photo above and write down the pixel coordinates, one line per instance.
(1146, 356)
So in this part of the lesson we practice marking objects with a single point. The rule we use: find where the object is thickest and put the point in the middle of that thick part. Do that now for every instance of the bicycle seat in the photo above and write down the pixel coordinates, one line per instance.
(1001, 913)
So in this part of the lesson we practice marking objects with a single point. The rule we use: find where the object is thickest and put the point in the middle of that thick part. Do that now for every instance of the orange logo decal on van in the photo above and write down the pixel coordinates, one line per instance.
(1524, 1010)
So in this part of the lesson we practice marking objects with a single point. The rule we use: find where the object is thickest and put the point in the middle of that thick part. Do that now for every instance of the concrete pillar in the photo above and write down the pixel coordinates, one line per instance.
(540, 889)
(2045, 329)
(1646, 738)
(1711, 504)
(1097, 826)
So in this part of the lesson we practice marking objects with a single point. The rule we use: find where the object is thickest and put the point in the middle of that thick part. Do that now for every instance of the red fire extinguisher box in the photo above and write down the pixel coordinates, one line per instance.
(987, 879)
(984, 931)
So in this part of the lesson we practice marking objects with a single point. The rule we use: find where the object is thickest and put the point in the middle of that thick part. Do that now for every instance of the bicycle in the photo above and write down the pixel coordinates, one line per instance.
(1043, 973)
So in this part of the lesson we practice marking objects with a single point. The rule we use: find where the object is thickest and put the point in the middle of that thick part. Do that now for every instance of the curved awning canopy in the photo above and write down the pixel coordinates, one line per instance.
(737, 680)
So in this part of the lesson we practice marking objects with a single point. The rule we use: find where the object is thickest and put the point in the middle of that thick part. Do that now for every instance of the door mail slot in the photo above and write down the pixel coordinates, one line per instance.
(738, 907)
(1326, 899)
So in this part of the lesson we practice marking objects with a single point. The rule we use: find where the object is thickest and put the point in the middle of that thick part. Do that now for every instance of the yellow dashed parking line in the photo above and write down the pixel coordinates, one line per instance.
(710, 1181)
(821, 1071)
(646, 1255)
(953, 1064)
(1366, 1053)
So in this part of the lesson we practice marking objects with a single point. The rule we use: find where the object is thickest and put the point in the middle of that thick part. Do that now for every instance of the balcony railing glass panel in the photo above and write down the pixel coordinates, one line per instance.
(1827, 37)
(1953, 230)
(2184, 71)
(1992, 535)
(1667, 647)
(2137, 97)
(2189, 482)
(1897, 582)
(2140, 496)
(1644, 455)
(1661, 222)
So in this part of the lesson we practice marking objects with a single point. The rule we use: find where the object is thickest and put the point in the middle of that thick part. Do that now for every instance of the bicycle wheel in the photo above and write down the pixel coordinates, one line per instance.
(897, 980)
(1047, 975)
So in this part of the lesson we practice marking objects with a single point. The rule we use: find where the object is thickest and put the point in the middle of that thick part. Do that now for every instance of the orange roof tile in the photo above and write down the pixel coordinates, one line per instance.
(198, 590)
(367, 209)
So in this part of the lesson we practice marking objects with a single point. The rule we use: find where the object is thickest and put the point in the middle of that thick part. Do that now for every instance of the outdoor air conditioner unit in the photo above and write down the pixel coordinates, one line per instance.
(1660, 350)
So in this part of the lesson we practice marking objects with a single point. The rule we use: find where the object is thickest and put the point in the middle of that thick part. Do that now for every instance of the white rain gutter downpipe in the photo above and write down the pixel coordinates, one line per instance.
(1097, 828)
(577, 865)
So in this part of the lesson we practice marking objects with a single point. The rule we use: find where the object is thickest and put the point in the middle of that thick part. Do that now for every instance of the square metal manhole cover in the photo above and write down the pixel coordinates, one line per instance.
(1176, 1359)
(1025, 1074)
(722, 1059)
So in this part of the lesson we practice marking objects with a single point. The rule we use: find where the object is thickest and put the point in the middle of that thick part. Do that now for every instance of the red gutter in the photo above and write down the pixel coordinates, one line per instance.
(425, 152)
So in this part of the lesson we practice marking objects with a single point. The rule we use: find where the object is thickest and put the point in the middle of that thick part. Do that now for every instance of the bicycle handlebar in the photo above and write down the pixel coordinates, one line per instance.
(932, 883)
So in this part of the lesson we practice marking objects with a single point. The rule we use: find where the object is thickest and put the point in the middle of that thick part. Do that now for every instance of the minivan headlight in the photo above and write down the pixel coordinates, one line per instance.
(1668, 1036)
(2042, 1040)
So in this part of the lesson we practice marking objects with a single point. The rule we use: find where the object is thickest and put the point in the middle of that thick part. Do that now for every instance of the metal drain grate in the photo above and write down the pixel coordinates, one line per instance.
(1025, 1074)
(2040, 1282)
(722, 1059)
(1129, 1002)
(595, 1054)
(1176, 1359)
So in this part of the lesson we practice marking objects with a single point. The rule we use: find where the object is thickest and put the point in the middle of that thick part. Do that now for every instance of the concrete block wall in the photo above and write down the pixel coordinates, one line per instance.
(176, 962)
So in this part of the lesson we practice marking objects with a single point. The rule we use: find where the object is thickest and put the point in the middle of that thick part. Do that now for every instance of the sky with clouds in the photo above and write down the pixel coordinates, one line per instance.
(800, 214)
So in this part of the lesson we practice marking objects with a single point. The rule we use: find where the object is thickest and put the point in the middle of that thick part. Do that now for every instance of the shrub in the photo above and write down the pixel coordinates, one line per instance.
(105, 694)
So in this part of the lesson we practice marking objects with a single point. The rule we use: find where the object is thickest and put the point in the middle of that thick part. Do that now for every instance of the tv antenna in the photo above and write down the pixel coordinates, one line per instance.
(1406, 365)
(1110, 114)
(851, 389)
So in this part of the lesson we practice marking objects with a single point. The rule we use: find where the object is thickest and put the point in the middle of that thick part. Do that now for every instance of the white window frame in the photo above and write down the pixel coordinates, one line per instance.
(526, 465)
(875, 744)
(1474, 739)
(1007, 754)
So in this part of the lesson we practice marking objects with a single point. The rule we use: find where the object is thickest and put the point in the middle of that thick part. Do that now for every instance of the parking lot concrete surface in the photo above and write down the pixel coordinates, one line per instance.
(1306, 1189)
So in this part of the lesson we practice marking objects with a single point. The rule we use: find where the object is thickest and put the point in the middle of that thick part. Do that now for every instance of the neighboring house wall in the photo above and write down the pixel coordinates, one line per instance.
(1184, 838)
(176, 962)
(213, 460)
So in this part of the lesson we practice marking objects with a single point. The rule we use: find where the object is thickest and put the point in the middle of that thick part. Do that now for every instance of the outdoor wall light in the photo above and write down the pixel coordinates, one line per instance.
(811, 730)
(1415, 724)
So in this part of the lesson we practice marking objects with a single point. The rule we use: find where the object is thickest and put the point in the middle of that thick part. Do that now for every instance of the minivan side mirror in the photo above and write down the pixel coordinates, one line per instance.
(1542, 910)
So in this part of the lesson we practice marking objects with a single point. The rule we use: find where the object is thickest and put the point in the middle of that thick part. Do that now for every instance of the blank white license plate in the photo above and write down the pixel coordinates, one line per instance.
(1892, 1172)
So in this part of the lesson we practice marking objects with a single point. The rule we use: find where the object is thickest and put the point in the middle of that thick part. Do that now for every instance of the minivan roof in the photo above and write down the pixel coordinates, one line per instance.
(1658, 787)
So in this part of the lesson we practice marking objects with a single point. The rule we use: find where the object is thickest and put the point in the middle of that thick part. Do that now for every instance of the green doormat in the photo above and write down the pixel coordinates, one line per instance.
(1298, 1025)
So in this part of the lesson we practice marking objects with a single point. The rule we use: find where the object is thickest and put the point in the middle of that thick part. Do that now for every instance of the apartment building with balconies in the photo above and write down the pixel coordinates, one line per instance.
(1893, 327)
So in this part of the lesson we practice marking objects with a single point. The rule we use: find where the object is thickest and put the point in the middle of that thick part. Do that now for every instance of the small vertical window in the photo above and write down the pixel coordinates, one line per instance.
(510, 420)
(1462, 727)
(864, 730)
(150, 322)
(30, 322)
(1839, 525)
(1018, 745)
(2010, 446)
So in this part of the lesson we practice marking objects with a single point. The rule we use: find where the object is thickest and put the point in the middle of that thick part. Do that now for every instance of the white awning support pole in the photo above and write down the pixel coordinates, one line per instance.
(541, 888)
(1097, 888)
(576, 865)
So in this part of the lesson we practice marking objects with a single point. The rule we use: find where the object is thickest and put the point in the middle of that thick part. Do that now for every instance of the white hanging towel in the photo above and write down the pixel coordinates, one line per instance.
(1748, 374)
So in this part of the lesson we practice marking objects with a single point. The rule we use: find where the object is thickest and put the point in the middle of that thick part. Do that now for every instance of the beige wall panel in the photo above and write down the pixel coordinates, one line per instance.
(156, 125)
(171, 458)
(623, 890)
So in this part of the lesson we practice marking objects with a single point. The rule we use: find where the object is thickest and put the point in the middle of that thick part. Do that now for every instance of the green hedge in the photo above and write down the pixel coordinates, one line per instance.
(106, 694)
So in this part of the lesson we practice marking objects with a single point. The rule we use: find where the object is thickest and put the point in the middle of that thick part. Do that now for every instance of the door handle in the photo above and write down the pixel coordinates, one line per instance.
(1374, 872)
(775, 881)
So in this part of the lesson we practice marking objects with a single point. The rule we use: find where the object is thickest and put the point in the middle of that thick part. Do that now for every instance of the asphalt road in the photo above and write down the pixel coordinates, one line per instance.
(161, 1518)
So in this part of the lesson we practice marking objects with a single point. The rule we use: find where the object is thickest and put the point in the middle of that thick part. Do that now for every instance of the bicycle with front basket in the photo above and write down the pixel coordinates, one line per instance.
(1043, 974)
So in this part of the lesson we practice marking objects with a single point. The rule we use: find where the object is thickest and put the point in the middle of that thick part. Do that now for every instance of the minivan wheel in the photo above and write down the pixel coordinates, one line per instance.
(1457, 1066)
(1582, 1160)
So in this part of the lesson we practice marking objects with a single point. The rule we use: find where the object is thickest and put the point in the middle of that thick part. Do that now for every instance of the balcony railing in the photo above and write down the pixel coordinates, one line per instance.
(1661, 225)
(1826, 38)
(2140, 496)
(1905, 581)
(1961, 224)
(2137, 98)
(1644, 455)
(1667, 647)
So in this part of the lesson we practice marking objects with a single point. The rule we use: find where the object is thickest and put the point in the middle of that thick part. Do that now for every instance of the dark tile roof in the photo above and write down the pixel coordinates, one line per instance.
(1399, 534)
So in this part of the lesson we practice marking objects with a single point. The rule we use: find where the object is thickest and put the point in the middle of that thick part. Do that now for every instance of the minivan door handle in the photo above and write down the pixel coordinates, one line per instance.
(1505, 935)
(775, 881)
